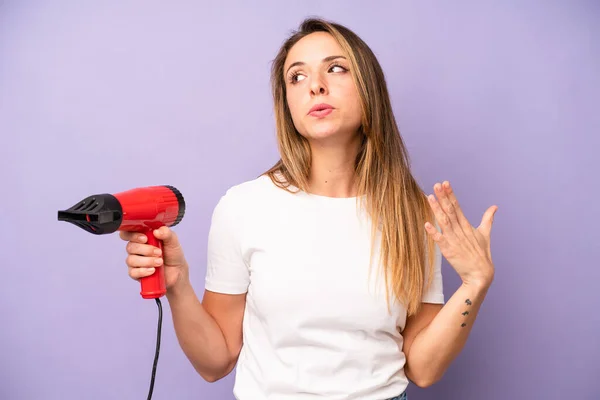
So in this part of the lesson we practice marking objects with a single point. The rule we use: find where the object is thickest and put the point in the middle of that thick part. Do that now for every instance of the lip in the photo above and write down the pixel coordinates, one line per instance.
(320, 107)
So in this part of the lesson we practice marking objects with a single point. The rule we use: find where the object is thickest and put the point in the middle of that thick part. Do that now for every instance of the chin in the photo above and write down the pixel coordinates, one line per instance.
(329, 129)
(322, 130)
(322, 134)
(329, 137)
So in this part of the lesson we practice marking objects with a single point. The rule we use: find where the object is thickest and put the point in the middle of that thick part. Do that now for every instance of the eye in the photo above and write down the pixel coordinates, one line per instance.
(337, 68)
(295, 77)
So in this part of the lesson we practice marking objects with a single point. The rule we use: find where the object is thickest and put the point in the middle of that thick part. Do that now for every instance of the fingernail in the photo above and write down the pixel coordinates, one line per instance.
(157, 252)
(158, 261)
(142, 238)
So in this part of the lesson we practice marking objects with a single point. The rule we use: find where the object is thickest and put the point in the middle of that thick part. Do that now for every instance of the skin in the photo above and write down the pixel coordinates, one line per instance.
(334, 140)
(468, 251)
(210, 331)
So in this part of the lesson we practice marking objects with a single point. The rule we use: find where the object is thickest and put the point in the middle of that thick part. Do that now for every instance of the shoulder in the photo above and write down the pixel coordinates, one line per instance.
(250, 195)
(250, 190)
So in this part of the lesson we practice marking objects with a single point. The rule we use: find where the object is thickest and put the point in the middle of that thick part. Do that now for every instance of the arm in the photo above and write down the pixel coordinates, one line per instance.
(209, 332)
(436, 335)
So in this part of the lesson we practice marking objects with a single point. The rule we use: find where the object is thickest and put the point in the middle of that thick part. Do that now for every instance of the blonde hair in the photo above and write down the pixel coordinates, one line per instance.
(396, 204)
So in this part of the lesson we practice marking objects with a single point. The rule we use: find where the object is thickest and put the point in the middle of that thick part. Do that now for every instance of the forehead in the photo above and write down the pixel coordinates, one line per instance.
(313, 48)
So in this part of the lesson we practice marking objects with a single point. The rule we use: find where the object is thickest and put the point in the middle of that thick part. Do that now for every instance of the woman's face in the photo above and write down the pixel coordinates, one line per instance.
(318, 78)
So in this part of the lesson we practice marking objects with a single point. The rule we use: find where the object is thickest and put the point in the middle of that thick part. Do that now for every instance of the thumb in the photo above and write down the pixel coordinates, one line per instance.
(487, 221)
(168, 237)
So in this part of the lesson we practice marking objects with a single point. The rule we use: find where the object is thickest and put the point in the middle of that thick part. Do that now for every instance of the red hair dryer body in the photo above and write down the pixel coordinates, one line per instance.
(137, 210)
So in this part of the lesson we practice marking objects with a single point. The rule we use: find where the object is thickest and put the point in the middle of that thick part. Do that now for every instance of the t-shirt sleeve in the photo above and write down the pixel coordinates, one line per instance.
(226, 271)
(435, 292)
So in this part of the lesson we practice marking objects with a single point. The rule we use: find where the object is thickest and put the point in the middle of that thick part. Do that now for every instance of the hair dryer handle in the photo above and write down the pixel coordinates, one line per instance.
(154, 286)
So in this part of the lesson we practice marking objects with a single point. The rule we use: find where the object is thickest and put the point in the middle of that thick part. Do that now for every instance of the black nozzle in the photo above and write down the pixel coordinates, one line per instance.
(181, 201)
(98, 214)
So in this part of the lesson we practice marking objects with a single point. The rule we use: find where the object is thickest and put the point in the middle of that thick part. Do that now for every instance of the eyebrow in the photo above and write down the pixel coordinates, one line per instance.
(326, 59)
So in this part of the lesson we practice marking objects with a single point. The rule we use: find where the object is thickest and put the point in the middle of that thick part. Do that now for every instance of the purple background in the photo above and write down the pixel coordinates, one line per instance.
(501, 99)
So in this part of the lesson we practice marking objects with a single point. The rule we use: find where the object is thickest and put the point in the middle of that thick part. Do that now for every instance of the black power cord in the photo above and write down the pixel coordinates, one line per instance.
(158, 303)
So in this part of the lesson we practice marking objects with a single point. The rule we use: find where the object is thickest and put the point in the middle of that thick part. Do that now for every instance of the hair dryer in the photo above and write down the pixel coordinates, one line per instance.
(136, 210)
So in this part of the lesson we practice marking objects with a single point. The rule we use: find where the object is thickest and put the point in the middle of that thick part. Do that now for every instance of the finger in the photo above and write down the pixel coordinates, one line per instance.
(163, 233)
(142, 249)
(436, 235)
(132, 237)
(487, 221)
(126, 235)
(433, 231)
(135, 261)
(168, 237)
(460, 216)
(446, 205)
(137, 273)
(442, 219)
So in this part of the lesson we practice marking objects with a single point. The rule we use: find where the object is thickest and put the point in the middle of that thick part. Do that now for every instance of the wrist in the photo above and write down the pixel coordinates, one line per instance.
(179, 289)
(480, 277)
(480, 283)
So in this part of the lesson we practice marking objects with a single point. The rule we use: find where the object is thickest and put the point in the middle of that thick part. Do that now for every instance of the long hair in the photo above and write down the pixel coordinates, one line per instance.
(397, 206)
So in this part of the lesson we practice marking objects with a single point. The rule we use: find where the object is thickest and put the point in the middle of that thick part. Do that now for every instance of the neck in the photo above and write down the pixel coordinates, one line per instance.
(332, 169)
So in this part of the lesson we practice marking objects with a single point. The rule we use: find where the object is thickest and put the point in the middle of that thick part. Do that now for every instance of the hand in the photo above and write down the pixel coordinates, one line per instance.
(142, 259)
(466, 248)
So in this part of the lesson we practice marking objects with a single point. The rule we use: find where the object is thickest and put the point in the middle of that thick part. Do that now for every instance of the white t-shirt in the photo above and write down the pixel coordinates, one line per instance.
(316, 323)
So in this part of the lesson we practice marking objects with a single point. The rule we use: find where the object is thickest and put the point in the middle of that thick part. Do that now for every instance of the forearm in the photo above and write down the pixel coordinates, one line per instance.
(198, 334)
(438, 344)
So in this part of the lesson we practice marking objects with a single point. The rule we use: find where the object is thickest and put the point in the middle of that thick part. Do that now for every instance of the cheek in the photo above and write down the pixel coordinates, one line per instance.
(345, 89)
(293, 104)
(352, 100)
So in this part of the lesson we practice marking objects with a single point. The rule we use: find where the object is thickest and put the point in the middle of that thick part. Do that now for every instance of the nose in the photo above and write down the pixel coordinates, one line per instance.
(317, 86)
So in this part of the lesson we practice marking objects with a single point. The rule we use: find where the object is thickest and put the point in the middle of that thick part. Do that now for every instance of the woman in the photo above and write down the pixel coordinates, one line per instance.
(293, 293)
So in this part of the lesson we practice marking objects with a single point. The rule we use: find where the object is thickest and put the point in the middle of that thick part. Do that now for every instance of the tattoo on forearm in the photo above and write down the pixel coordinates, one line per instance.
(468, 302)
